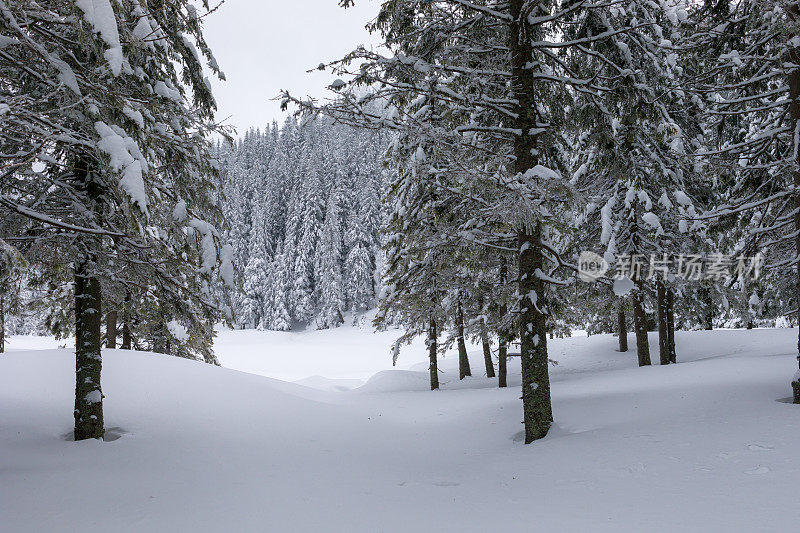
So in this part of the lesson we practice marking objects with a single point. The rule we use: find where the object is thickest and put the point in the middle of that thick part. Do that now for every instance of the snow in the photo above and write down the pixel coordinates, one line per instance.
(119, 149)
(66, 75)
(100, 15)
(169, 93)
(622, 286)
(652, 220)
(177, 330)
(134, 115)
(179, 213)
(94, 396)
(192, 447)
(682, 198)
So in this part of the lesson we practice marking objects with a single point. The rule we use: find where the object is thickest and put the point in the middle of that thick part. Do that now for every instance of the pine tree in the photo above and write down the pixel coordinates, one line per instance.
(97, 96)
(328, 268)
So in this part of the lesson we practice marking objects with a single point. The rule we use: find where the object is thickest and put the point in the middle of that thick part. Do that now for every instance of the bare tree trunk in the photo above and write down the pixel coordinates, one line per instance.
(794, 115)
(502, 369)
(640, 326)
(673, 356)
(622, 327)
(88, 361)
(487, 353)
(536, 406)
(463, 359)
(433, 365)
(111, 329)
(708, 308)
(126, 320)
(663, 327)
(2, 324)
(502, 336)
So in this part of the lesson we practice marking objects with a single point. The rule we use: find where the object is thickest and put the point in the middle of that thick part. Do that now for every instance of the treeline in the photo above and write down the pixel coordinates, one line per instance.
(304, 211)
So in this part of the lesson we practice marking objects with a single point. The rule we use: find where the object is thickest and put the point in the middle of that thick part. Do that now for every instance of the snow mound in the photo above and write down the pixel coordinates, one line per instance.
(328, 384)
(397, 381)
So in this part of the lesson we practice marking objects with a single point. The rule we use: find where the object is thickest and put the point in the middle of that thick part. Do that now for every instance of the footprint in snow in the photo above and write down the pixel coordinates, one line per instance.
(758, 470)
(760, 447)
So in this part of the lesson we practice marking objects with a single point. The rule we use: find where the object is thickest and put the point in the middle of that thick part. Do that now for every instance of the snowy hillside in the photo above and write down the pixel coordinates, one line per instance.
(704, 445)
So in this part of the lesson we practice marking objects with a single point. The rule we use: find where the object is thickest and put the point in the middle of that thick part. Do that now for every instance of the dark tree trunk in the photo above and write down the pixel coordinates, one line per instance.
(463, 360)
(487, 354)
(126, 320)
(536, 406)
(794, 115)
(663, 326)
(673, 356)
(111, 329)
(88, 361)
(433, 365)
(622, 327)
(503, 336)
(2, 324)
(536, 402)
(640, 326)
(502, 369)
(708, 308)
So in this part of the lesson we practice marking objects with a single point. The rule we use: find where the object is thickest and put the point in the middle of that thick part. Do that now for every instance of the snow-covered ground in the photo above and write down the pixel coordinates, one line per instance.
(709, 444)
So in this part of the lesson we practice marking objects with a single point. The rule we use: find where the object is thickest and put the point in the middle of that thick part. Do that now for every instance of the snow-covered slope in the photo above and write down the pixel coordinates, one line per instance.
(705, 445)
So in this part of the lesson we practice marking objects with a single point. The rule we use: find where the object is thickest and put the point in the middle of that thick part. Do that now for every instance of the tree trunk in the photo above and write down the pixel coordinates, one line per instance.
(640, 326)
(502, 369)
(2, 324)
(88, 361)
(663, 327)
(433, 365)
(673, 357)
(463, 360)
(708, 308)
(536, 406)
(126, 320)
(622, 327)
(794, 115)
(487, 354)
(111, 329)
(502, 335)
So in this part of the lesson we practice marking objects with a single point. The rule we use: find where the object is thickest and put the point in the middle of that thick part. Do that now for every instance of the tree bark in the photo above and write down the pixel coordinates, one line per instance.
(502, 368)
(88, 360)
(536, 406)
(2, 324)
(503, 336)
(794, 115)
(622, 327)
(487, 354)
(111, 329)
(640, 326)
(463, 359)
(673, 357)
(433, 365)
(708, 308)
(663, 327)
(126, 319)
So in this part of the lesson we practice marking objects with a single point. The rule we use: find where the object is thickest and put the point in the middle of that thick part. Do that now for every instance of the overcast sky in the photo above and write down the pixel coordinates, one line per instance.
(264, 46)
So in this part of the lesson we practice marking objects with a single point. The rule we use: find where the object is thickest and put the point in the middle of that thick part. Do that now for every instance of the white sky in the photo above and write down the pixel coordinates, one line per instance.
(264, 46)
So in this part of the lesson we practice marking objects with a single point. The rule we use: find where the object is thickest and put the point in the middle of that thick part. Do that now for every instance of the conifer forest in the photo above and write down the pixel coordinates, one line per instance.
(411, 265)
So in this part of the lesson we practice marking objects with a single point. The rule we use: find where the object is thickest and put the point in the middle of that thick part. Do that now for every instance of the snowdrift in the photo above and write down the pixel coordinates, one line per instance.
(705, 445)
